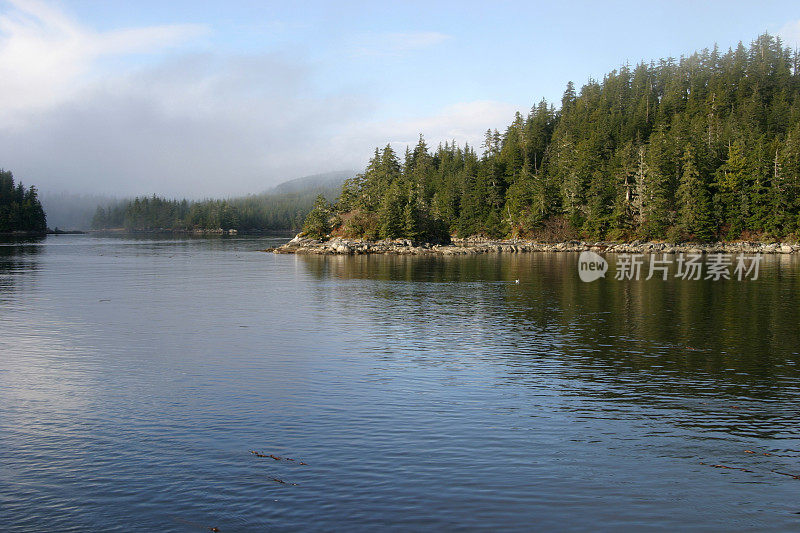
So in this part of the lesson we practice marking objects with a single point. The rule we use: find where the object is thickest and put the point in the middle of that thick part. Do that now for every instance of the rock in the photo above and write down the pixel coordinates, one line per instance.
(337, 245)
(342, 249)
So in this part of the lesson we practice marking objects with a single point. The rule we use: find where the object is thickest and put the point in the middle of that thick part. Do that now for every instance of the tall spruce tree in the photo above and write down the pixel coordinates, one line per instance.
(694, 205)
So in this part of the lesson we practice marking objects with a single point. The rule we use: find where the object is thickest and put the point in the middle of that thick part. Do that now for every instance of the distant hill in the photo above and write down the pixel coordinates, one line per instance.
(281, 208)
(316, 182)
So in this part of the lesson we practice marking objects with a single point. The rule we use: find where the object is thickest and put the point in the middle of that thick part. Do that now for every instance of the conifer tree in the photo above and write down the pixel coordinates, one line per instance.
(613, 160)
(317, 223)
(734, 189)
(694, 206)
(20, 209)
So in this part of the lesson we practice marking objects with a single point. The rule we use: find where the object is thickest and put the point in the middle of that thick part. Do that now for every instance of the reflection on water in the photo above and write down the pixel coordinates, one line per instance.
(17, 262)
(659, 343)
(421, 391)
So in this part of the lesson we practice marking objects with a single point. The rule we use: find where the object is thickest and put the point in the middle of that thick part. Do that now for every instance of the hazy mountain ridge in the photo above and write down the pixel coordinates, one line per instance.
(75, 211)
(281, 208)
(326, 180)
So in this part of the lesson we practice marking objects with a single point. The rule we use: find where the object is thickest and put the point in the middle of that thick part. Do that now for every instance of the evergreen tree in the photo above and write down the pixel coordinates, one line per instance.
(317, 224)
(20, 208)
(391, 213)
(613, 160)
(694, 206)
(734, 190)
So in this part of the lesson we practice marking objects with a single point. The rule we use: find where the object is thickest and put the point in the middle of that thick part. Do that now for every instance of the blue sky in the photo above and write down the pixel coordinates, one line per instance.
(167, 97)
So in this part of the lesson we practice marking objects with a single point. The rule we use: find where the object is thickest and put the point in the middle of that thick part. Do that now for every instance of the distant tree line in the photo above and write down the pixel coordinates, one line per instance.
(705, 147)
(20, 209)
(252, 213)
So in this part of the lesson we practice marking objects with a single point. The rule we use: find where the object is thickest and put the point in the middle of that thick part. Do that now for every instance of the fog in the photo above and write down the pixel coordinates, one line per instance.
(144, 110)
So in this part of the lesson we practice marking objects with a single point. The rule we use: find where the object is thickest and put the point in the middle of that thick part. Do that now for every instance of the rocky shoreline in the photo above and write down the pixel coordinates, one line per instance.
(338, 246)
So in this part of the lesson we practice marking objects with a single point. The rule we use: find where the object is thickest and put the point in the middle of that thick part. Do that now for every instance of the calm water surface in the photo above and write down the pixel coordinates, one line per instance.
(422, 393)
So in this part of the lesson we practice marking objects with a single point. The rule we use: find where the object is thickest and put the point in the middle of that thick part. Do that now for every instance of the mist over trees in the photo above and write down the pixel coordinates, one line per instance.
(703, 147)
(256, 213)
(71, 211)
(20, 209)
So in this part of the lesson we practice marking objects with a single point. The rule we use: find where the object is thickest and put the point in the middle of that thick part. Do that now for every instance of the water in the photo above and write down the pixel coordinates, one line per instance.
(421, 392)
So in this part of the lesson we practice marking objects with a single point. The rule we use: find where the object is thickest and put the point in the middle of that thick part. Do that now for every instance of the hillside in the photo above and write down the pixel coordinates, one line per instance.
(281, 208)
(700, 148)
(317, 182)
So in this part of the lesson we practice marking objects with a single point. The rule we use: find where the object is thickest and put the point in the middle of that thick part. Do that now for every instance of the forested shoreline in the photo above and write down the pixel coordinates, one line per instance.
(256, 213)
(702, 148)
(20, 209)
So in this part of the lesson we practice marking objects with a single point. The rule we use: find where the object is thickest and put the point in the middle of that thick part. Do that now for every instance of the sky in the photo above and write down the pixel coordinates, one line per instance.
(206, 98)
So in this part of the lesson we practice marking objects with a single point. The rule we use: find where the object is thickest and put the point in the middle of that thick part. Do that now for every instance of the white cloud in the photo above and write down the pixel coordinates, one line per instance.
(193, 126)
(188, 124)
(44, 54)
(464, 123)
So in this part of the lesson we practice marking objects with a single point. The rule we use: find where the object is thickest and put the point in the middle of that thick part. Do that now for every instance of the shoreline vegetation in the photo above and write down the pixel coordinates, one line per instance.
(21, 212)
(702, 149)
(282, 208)
(195, 232)
(303, 245)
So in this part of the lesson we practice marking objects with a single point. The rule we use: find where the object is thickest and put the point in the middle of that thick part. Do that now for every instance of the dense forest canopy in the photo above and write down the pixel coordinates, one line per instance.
(701, 148)
(20, 209)
(254, 213)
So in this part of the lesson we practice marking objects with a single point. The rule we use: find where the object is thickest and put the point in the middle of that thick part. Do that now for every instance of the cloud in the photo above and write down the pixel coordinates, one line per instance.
(44, 54)
(464, 123)
(396, 43)
(185, 123)
(195, 126)
(197, 133)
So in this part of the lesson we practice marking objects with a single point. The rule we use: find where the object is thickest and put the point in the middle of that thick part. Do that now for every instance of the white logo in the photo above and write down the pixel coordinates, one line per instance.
(591, 266)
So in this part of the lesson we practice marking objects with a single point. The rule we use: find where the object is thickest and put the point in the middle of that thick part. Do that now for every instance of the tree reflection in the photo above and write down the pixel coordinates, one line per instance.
(709, 348)
(18, 261)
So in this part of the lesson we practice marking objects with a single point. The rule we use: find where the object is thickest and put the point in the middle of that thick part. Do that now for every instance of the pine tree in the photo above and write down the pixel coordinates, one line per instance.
(694, 206)
(734, 189)
(20, 208)
(613, 159)
(390, 213)
(317, 224)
